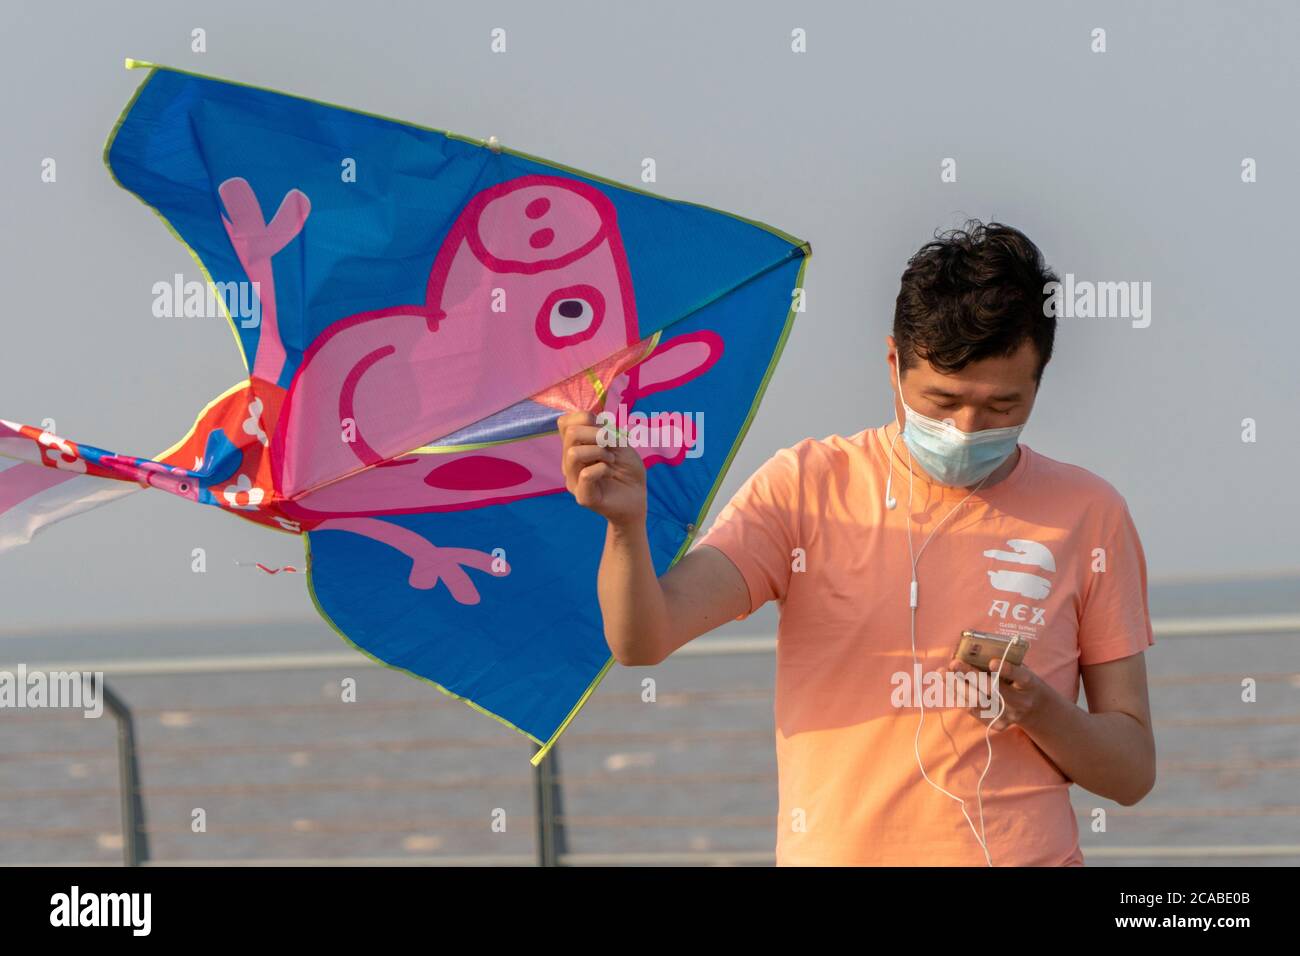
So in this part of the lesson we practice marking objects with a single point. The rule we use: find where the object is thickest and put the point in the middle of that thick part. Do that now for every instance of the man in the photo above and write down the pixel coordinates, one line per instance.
(881, 553)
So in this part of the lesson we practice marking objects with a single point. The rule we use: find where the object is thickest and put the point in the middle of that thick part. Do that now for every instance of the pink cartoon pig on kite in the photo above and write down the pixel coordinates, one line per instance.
(529, 297)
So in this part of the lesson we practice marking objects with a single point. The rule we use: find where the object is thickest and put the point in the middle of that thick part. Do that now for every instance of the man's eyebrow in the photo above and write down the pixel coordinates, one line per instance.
(937, 392)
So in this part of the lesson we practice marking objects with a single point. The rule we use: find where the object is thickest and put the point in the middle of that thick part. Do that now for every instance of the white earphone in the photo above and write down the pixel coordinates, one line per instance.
(913, 600)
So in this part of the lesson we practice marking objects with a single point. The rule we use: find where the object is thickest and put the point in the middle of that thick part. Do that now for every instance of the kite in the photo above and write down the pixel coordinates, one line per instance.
(415, 309)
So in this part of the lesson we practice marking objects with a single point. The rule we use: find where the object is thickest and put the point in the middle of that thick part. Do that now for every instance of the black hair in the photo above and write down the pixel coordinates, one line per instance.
(974, 293)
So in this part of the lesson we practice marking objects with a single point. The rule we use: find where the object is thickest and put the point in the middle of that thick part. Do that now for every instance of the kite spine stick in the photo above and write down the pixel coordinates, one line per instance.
(601, 387)
(803, 251)
(591, 689)
(597, 386)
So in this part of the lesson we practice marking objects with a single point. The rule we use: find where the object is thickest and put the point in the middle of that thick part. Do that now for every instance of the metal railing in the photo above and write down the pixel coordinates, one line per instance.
(551, 842)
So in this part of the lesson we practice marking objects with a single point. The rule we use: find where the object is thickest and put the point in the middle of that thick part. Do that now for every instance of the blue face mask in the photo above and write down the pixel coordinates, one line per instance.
(951, 456)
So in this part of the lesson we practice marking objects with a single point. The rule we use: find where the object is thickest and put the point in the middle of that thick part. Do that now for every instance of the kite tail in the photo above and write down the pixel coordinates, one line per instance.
(33, 497)
(44, 479)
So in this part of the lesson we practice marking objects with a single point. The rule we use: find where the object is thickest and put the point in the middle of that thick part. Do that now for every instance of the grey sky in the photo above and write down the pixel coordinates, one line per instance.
(1122, 166)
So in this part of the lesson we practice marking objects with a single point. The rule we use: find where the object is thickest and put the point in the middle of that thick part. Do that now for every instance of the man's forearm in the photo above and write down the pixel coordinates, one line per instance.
(1109, 754)
(631, 597)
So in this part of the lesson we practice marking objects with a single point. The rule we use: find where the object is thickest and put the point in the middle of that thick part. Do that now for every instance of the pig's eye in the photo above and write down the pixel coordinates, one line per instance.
(570, 315)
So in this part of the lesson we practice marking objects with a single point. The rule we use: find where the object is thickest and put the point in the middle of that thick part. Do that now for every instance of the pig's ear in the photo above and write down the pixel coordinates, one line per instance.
(679, 361)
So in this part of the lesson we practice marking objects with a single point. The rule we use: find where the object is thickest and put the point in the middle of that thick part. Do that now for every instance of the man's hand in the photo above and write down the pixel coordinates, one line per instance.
(1109, 749)
(1024, 691)
(608, 480)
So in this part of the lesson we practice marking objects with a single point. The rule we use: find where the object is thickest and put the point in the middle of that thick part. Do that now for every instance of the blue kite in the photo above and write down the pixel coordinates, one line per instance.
(415, 310)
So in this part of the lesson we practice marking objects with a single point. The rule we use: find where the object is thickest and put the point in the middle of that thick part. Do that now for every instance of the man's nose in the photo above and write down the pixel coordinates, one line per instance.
(970, 420)
(963, 419)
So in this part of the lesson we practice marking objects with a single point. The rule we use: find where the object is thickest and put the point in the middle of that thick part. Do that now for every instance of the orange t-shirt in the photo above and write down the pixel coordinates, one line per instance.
(1049, 552)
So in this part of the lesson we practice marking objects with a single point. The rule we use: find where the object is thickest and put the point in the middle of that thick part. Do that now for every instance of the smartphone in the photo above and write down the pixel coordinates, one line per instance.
(983, 651)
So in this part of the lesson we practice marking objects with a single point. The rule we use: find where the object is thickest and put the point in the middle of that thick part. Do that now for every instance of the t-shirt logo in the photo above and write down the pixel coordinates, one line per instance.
(1023, 551)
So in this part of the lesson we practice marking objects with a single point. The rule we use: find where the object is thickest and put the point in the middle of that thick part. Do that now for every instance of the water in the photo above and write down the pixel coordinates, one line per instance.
(280, 768)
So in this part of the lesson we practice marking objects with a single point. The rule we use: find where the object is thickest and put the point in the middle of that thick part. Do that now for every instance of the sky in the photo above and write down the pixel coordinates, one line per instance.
(896, 121)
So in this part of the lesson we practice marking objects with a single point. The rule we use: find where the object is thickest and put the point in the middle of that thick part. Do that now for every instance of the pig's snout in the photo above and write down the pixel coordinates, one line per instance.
(539, 226)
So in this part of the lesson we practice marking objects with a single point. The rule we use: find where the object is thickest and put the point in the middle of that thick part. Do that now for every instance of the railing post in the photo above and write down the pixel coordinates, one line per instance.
(551, 844)
(135, 842)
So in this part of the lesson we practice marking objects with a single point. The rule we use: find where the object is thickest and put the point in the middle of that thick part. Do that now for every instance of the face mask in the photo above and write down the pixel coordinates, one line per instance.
(951, 456)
